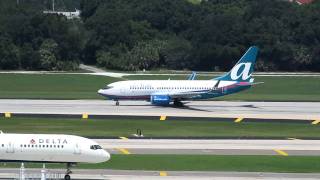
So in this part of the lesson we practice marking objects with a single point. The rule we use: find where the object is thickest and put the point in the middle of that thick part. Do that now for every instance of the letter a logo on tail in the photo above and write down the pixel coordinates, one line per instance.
(243, 70)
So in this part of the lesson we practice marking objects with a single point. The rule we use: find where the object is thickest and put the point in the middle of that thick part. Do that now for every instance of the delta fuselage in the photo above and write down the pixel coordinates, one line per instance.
(50, 148)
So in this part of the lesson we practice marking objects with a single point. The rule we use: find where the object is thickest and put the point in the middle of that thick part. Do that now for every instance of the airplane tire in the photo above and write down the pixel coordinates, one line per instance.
(67, 177)
(117, 103)
(178, 103)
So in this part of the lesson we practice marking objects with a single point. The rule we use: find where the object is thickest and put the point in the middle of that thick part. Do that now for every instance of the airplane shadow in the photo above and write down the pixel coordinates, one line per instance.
(201, 107)
(192, 107)
(183, 107)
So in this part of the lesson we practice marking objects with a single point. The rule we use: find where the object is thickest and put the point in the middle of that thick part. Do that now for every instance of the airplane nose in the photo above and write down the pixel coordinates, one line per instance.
(106, 155)
(100, 91)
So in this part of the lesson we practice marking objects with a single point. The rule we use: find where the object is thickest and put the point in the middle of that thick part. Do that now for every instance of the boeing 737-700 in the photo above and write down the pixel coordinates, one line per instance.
(46, 148)
(164, 92)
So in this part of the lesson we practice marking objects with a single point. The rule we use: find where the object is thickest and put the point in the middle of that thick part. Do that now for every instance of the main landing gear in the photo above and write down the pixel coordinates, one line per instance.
(117, 103)
(67, 176)
(177, 103)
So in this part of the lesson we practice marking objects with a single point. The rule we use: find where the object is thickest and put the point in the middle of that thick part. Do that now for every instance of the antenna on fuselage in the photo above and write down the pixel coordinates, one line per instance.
(217, 84)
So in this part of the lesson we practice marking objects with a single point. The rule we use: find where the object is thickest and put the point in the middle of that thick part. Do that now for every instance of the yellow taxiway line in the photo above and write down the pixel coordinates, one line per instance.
(315, 122)
(238, 120)
(123, 151)
(281, 152)
(124, 138)
(163, 173)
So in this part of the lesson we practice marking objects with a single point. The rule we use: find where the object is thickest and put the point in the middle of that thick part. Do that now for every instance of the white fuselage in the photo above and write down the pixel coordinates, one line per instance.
(142, 89)
(160, 92)
(50, 148)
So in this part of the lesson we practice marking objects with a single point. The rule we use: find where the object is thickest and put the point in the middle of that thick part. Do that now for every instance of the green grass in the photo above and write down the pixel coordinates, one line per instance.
(65, 86)
(52, 86)
(213, 163)
(195, 1)
(156, 128)
(292, 164)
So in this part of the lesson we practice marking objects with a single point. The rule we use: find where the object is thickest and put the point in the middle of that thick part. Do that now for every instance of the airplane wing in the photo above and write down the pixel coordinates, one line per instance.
(249, 83)
(189, 94)
(186, 95)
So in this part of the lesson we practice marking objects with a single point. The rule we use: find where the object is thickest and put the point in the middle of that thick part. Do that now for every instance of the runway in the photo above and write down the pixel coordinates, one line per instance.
(96, 174)
(222, 109)
(212, 147)
(209, 109)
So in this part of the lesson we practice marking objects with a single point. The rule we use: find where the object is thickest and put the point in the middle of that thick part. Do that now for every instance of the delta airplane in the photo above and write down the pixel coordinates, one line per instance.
(50, 148)
(164, 92)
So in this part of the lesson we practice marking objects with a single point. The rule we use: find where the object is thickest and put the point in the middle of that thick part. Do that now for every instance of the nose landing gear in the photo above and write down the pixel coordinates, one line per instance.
(68, 172)
(67, 177)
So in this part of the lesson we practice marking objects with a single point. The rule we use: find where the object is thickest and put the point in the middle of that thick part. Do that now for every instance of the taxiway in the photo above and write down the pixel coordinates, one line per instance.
(222, 109)
(98, 174)
(213, 147)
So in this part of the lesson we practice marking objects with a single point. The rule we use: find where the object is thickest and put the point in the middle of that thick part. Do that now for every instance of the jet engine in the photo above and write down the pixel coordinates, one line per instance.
(160, 99)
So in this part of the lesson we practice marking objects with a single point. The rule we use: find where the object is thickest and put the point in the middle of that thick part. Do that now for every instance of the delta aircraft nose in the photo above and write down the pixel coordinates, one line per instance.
(106, 155)
(100, 91)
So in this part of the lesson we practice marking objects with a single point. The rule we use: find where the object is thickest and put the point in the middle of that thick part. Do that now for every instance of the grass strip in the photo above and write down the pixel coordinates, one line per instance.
(52, 86)
(289, 164)
(71, 86)
(155, 128)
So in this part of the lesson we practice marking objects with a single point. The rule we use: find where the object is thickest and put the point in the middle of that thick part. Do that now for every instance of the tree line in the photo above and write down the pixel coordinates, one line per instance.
(151, 34)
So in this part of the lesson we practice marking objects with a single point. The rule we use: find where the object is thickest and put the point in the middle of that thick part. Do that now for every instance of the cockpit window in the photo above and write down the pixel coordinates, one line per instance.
(95, 147)
(108, 87)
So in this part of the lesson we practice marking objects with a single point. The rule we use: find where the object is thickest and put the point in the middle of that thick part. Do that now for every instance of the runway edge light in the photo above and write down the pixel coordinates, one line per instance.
(7, 115)
(238, 120)
(163, 118)
(163, 173)
(315, 122)
(85, 116)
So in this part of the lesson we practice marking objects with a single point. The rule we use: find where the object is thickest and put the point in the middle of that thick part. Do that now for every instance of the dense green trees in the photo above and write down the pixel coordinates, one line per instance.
(211, 35)
(149, 34)
(32, 40)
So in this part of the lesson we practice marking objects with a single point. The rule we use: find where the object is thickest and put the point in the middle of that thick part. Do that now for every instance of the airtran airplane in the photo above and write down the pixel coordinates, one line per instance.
(165, 92)
(50, 148)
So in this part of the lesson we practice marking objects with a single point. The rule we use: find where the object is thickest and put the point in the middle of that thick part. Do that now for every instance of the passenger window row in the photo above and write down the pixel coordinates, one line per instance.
(133, 87)
(41, 146)
(170, 88)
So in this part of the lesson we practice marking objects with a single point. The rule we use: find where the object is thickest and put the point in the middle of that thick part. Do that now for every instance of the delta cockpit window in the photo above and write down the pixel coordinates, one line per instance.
(108, 87)
(95, 147)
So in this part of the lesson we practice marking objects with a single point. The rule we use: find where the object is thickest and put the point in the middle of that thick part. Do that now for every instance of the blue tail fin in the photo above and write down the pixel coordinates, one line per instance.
(243, 70)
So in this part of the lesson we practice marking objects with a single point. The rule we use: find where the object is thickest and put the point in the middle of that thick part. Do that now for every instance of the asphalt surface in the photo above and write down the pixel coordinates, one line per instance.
(260, 110)
(222, 109)
(131, 174)
(213, 147)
